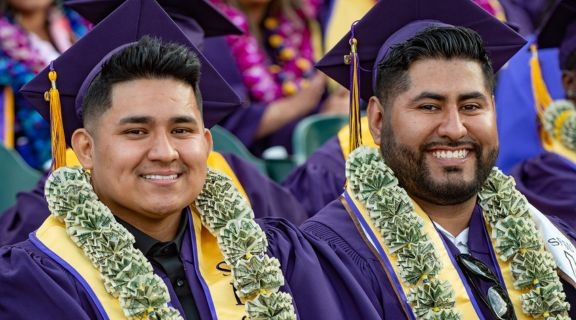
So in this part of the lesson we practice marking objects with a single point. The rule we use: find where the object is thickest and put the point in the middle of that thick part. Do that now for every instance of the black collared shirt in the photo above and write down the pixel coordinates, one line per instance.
(166, 255)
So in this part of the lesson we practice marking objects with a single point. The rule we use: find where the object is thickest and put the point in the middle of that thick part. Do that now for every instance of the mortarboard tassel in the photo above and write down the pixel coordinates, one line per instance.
(542, 97)
(354, 121)
(56, 124)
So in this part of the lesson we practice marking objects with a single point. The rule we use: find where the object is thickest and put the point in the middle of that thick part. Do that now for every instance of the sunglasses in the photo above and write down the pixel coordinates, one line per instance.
(496, 298)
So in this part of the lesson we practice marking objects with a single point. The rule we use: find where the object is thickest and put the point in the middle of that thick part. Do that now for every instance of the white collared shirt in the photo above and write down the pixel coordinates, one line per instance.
(460, 241)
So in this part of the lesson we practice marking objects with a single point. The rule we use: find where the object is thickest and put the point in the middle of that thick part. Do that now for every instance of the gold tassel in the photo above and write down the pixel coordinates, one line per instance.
(542, 97)
(9, 117)
(355, 139)
(56, 124)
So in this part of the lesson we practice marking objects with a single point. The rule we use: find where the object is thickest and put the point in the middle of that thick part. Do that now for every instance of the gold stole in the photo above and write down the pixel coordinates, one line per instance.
(52, 233)
(448, 272)
(217, 161)
(553, 145)
(344, 134)
(215, 273)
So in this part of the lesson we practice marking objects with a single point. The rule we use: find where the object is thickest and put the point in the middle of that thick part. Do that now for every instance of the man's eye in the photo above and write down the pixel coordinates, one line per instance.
(182, 130)
(135, 132)
(471, 107)
(429, 107)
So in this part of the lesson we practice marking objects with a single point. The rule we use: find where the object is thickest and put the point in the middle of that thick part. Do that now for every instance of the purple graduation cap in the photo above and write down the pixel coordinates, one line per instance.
(196, 18)
(392, 22)
(559, 31)
(132, 20)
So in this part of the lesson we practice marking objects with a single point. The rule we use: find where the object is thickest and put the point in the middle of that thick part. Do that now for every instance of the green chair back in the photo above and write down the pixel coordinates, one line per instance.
(225, 141)
(312, 131)
(16, 176)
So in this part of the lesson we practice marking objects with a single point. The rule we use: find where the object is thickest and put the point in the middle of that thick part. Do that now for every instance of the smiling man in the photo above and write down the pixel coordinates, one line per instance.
(427, 224)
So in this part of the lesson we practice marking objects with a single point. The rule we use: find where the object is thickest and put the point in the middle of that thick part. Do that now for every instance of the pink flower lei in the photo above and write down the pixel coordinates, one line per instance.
(15, 42)
(271, 77)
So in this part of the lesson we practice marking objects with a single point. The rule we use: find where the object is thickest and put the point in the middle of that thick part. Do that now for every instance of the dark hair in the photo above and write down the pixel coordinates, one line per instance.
(434, 42)
(149, 58)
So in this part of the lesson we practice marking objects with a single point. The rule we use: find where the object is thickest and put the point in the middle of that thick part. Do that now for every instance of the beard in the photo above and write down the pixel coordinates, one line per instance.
(415, 176)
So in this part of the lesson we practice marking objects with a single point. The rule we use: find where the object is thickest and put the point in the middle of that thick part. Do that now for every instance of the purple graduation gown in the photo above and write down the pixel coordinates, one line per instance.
(549, 183)
(320, 179)
(244, 122)
(333, 226)
(34, 285)
(267, 198)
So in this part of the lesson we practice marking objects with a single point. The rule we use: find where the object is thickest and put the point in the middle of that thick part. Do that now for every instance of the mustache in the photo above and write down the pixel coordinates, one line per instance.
(451, 143)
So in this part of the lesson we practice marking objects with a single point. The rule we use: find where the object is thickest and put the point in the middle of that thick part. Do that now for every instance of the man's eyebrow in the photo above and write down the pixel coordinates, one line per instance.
(440, 97)
(135, 120)
(429, 95)
(472, 95)
(184, 119)
(148, 120)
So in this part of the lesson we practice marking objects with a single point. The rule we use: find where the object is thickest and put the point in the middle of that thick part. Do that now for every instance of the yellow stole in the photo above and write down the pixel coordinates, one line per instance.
(344, 134)
(215, 274)
(448, 273)
(52, 234)
(553, 145)
(217, 161)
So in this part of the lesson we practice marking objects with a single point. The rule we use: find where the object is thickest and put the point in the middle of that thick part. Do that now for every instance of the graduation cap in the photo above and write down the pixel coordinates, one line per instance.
(196, 18)
(391, 22)
(131, 21)
(559, 31)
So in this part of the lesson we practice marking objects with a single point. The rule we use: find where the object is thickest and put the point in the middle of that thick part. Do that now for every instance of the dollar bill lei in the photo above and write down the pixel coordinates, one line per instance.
(128, 275)
(559, 121)
(514, 233)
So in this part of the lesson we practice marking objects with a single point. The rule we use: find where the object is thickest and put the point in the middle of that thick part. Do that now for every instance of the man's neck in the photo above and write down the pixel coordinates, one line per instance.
(162, 230)
(453, 218)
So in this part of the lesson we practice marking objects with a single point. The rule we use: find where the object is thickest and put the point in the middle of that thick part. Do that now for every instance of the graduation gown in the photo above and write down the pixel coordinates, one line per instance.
(267, 198)
(548, 181)
(34, 285)
(320, 179)
(334, 226)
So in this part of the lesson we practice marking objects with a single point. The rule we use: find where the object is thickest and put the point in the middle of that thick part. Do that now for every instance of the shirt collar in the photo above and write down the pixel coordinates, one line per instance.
(145, 243)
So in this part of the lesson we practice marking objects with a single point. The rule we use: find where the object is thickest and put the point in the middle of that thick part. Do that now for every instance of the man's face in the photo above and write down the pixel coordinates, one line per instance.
(148, 151)
(440, 135)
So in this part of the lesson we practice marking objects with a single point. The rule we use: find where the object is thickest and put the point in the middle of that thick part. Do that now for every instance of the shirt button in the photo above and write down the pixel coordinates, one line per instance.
(179, 282)
(165, 250)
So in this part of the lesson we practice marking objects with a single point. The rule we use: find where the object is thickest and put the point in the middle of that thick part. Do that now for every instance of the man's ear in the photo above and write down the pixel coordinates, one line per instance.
(569, 83)
(208, 139)
(375, 114)
(83, 145)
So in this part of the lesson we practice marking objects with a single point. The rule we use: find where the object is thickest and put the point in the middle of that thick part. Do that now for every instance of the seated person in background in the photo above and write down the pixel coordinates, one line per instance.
(548, 180)
(271, 67)
(144, 229)
(266, 197)
(33, 34)
(428, 225)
